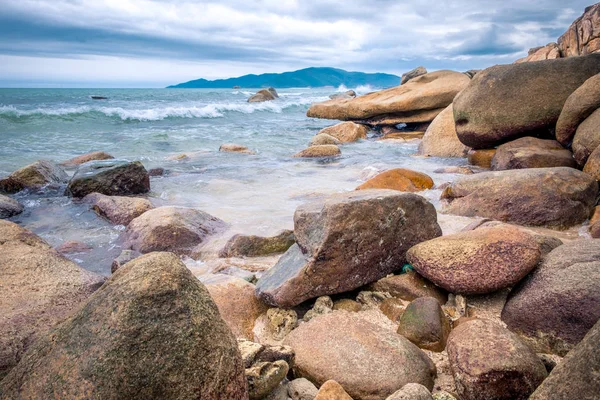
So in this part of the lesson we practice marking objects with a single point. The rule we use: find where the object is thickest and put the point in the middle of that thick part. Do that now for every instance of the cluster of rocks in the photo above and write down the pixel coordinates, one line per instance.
(263, 95)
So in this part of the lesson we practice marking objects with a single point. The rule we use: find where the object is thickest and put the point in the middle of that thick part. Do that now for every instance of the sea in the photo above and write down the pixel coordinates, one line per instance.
(255, 194)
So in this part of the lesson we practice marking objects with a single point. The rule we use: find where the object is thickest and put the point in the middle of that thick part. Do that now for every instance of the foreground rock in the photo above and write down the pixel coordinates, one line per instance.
(440, 139)
(413, 73)
(264, 95)
(325, 150)
(485, 116)
(346, 241)
(419, 100)
(579, 105)
(552, 197)
(576, 377)
(82, 159)
(33, 176)
(346, 132)
(529, 152)
(175, 229)
(40, 288)
(9, 207)
(401, 179)
(235, 148)
(582, 37)
(409, 286)
(370, 362)
(555, 306)
(490, 362)
(109, 177)
(118, 210)
(411, 391)
(587, 138)
(257, 246)
(424, 323)
(151, 309)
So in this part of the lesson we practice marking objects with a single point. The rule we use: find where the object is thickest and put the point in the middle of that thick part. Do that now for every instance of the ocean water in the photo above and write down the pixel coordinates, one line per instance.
(254, 194)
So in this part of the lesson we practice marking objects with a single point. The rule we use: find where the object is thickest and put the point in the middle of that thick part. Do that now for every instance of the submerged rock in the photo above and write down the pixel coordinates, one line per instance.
(413, 73)
(530, 152)
(109, 177)
(579, 105)
(9, 207)
(119, 210)
(264, 95)
(73, 246)
(346, 132)
(324, 150)
(93, 156)
(440, 139)
(257, 246)
(401, 179)
(33, 176)
(235, 148)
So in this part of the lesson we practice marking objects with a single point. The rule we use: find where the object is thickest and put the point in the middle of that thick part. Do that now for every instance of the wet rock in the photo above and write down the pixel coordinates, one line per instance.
(349, 94)
(156, 171)
(587, 138)
(325, 150)
(109, 177)
(9, 207)
(481, 158)
(440, 138)
(152, 309)
(409, 286)
(272, 328)
(257, 246)
(404, 180)
(346, 132)
(579, 105)
(33, 176)
(413, 73)
(582, 37)
(235, 148)
(565, 198)
(175, 229)
(490, 362)
(264, 377)
(371, 362)
(73, 246)
(323, 139)
(323, 305)
(347, 305)
(119, 210)
(82, 159)
(424, 323)
(346, 241)
(477, 262)
(331, 390)
(264, 95)
(123, 258)
(486, 116)
(559, 301)
(392, 308)
(302, 389)
(411, 391)
(529, 152)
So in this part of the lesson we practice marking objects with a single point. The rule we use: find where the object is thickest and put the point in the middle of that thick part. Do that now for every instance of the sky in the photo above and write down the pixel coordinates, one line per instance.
(152, 43)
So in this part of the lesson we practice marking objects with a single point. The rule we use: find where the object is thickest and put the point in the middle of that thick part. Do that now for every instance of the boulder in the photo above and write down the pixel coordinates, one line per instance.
(264, 377)
(82, 159)
(481, 158)
(555, 306)
(553, 197)
(579, 105)
(264, 95)
(477, 262)
(40, 288)
(325, 150)
(152, 331)
(583, 36)
(323, 138)
(33, 176)
(367, 360)
(547, 52)
(331, 390)
(490, 362)
(346, 241)
(505, 102)
(576, 376)
(346, 132)
(404, 180)
(119, 210)
(257, 246)
(302, 389)
(235, 148)
(424, 323)
(348, 94)
(176, 229)
(109, 177)
(413, 73)
(592, 165)
(9, 207)
(587, 138)
(159, 171)
(409, 286)
(530, 152)
(419, 100)
(411, 391)
(440, 138)
(237, 304)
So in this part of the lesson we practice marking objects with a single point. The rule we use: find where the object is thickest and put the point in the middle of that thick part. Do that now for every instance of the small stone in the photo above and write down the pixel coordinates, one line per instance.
(347, 305)
(96, 155)
(9, 207)
(424, 323)
(481, 158)
(124, 258)
(249, 350)
(302, 389)
(156, 171)
(372, 299)
(409, 286)
(442, 395)
(322, 139)
(411, 391)
(119, 210)
(323, 305)
(404, 180)
(264, 377)
(257, 246)
(331, 390)
(346, 131)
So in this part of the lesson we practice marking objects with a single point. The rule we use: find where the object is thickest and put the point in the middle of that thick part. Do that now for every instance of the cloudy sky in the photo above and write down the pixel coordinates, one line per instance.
(153, 43)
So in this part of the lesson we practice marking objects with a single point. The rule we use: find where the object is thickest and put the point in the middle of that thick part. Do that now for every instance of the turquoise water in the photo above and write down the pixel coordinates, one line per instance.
(255, 194)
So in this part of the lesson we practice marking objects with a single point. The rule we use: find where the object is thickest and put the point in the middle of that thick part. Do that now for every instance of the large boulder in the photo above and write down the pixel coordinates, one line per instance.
(530, 152)
(440, 138)
(39, 287)
(583, 36)
(175, 229)
(587, 138)
(346, 131)
(346, 241)
(9, 207)
(109, 177)
(257, 246)
(413, 73)
(33, 176)
(118, 210)
(402, 179)
(558, 302)
(419, 100)
(579, 105)
(480, 261)
(263, 95)
(368, 360)
(491, 363)
(82, 159)
(577, 375)
(554, 197)
(152, 331)
(506, 102)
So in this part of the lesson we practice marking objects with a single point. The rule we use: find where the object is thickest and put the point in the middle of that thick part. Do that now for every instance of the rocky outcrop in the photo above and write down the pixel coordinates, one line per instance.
(583, 36)
(440, 139)
(401, 179)
(33, 176)
(547, 52)
(109, 177)
(235, 148)
(175, 229)
(40, 288)
(530, 152)
(346, 241)
(9, 207)
(325, 150)
(409, 286)
(72, 247)
(555, 306)
(119, 210)
(413, 73)
(587, 138)
(486, 116)
(264, 95)
(419, 100)
(152, 331)
(82, 159)
(554, 197)
(424, 323)
(579, 105)
(490, 362)
(346, 132)
(369, 361)
(257, 246)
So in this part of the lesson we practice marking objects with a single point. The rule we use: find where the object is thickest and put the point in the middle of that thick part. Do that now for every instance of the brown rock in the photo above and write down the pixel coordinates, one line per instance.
(587, 138)
(159, 171)
(302, 389)
(72, 246)
(547, 52)
(323, 305)
(392, 308)
(490, 362)
(33, 176)
(411, 391)
(409, 286)
(592, 165)
(263, 95)
(454, 170)
(440, 139)
(347, 305)
(481, 158)
(413, 73)
(109, 177)
(424, 323)
(9, 207)
(323, 139)
(477, 262)
(346, 131)
(119, 210)
(325, 150)
(235, 148)
(582, 37)
(579, 105)
(404, 180)
(96, 155)
(331, 390)
(123, 258)
(530, 152)
(257, 246)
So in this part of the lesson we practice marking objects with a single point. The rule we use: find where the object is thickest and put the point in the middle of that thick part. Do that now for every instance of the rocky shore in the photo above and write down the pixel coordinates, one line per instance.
(368, 298)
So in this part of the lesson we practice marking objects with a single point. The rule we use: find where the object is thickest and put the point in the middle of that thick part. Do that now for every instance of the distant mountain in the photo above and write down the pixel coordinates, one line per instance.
(308, 77)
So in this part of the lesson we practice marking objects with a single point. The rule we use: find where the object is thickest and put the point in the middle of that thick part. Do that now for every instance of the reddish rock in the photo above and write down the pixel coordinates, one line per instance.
(119, 210)
(346, 131)
(82, 159)
(409, 286)
(547, 52)
(592, 165)
(440, 139)
(530, 152)
(331, 390)
(393, 308)
(579, 105)
(404, 180)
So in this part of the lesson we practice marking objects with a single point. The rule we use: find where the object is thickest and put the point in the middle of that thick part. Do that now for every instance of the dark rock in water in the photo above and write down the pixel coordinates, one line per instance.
(530, 152)
(156, 171)
(120, 210)
(587, 138)
(576, 376)
(424, 323)
(123, 258)
(506, 102)
(257, 246)
(409, 286)
(411, 391)
(490, 362)
(151, 332)
(73, 246)
(407, 76)
(39, 287)
(109, 177)
(9, 207)
(579, 105)
(99, 98)
(264, 95)
(566, 197)
(401, 179)
(33, 176)
(346, 241)
(82, 159)
(555, 306)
